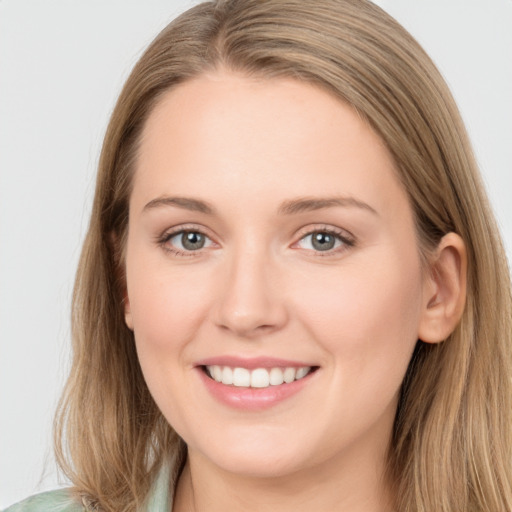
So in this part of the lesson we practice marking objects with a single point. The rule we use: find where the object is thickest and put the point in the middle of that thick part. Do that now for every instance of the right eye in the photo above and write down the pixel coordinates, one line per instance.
(186, 241)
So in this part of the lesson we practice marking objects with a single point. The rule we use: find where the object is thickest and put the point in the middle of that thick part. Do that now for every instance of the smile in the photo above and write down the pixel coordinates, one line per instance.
(257, 383)
(258, 377)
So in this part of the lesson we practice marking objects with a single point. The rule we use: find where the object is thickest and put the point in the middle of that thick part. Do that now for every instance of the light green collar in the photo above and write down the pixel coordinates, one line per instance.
(161, 495)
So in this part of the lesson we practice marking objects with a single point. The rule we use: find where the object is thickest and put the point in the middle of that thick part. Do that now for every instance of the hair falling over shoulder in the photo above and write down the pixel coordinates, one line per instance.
(452, 448)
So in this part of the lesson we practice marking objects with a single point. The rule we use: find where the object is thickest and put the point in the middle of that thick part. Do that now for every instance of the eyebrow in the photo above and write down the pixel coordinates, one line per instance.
(187, 203)
(291, 207)
(307, 204)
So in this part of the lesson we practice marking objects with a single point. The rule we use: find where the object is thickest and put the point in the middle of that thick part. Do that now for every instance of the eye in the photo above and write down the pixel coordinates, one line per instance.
(186, 241)
(324, 241)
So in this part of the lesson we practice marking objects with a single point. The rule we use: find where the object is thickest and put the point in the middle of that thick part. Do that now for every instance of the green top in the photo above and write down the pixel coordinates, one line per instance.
(61, 500)
(56, 501)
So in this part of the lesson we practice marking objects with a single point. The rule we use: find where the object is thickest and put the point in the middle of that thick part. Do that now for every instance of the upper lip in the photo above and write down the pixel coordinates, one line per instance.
(251, 363)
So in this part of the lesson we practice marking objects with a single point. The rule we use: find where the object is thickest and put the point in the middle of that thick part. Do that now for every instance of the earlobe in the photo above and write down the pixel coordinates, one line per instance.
(444, 290)
(127, 312)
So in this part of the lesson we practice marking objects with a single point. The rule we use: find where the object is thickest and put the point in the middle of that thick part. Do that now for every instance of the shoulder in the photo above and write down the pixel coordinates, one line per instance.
(60, 500)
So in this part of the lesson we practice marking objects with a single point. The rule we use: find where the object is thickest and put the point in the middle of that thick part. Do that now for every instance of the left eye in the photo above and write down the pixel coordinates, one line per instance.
(321, 241)
(189, 241)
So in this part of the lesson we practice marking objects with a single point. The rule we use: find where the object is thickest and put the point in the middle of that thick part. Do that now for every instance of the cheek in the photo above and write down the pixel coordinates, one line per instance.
(167, 304)
(366, 316)
(167, 307)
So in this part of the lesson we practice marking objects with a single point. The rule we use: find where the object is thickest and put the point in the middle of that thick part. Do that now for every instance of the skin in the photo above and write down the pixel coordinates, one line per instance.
(260, 288)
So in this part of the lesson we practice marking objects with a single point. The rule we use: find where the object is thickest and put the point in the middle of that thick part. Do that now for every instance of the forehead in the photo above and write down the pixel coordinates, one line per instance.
(275, 137)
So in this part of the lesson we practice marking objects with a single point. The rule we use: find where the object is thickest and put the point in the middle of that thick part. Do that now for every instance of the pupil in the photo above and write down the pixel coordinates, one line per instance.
(323, 241)
(192, 241)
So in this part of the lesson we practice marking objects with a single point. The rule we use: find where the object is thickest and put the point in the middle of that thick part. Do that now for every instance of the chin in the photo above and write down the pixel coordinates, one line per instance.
(259, 467)
(261, 458)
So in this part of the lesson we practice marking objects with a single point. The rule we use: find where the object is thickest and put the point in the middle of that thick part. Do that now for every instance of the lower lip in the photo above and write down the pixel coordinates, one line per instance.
(253, 399)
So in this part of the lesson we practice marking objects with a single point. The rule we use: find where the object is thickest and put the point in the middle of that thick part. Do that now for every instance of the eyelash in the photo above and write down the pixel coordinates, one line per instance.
(164, 239)
(347, 240)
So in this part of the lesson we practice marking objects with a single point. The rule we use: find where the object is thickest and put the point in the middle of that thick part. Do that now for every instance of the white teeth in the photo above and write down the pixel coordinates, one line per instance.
(301, 372)
(258, 378)
(217, 373)
(289, 375)
(227, 375)
(241, 377)
(276, 376)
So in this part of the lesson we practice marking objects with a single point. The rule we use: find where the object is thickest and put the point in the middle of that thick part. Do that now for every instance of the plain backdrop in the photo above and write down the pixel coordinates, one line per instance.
(62, 64)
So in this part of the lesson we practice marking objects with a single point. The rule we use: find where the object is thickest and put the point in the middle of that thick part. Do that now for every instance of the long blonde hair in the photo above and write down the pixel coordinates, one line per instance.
(451, 449)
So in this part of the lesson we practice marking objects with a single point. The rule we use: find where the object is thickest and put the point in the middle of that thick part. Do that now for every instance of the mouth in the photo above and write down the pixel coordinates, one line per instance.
(255, 383)
(257, 378)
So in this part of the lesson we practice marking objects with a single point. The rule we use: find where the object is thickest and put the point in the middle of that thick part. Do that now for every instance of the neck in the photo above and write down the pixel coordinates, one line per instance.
(354, 484)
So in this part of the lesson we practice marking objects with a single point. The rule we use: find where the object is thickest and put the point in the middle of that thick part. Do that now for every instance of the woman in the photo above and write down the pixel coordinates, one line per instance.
(292, 292)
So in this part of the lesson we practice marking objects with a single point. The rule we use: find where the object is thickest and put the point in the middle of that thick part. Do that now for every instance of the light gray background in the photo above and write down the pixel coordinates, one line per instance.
(62, 64)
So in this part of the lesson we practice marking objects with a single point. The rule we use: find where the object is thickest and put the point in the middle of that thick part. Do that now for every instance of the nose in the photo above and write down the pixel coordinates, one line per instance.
(252, 299)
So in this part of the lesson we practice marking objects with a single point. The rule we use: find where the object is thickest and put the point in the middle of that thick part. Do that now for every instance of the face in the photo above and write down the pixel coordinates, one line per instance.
(274, 284)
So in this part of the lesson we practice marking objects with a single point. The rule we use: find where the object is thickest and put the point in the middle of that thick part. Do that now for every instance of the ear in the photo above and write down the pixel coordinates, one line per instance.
(127, 311)
(444, 293)
(116, 244)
